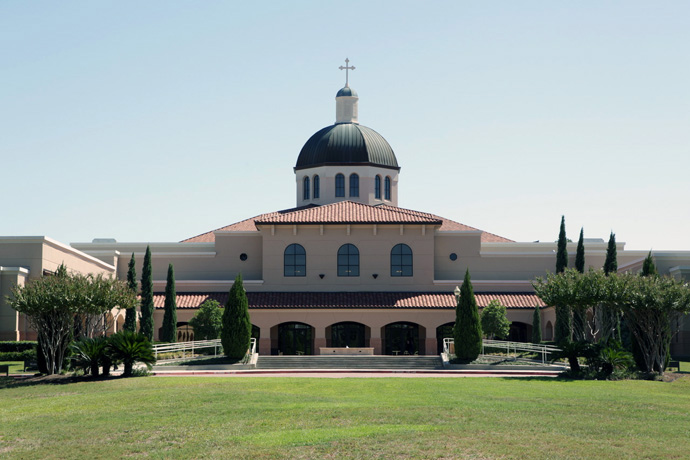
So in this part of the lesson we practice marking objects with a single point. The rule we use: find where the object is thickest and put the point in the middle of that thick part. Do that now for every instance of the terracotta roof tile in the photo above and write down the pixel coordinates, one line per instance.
(345, 212)
(353, 300)
(350, 212)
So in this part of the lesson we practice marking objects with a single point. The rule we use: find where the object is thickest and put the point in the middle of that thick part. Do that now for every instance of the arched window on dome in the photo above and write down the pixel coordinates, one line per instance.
(339, 185)
(377, 187)
(354, 185)
(305, 188)
(387, 188)
(401, 260)
(317, 186)
(295, 260)
(348, 260)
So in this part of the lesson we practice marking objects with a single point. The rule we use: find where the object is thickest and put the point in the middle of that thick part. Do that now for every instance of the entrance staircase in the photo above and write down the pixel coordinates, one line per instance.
(398, 363)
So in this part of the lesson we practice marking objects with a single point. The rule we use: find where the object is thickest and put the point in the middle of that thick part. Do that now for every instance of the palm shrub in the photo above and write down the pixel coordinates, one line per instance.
(129, 348)
(88, 353)
(614, 358)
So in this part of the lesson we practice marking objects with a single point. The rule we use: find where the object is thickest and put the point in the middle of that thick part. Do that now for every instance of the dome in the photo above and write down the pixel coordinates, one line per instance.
(346, 91)
(346, 143)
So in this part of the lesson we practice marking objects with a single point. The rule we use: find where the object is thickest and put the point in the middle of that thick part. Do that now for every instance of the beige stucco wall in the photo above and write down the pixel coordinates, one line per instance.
(322, 249)
(27, 258)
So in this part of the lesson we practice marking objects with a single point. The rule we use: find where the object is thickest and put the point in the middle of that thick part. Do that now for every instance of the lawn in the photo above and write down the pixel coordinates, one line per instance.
(263, 417)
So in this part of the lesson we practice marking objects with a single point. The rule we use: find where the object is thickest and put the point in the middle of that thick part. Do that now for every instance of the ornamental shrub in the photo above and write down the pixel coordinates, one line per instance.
(494, 320)
(208, 321)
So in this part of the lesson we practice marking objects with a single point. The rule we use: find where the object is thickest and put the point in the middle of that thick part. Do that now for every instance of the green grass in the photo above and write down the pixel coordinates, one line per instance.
(400, 418)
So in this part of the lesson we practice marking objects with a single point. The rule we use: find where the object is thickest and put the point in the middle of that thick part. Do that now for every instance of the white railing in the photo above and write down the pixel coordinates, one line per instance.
(188, 348)
(511, 348)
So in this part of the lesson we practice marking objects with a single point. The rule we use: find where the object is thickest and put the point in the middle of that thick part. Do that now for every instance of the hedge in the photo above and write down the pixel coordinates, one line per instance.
(17, 346)
(26, 355)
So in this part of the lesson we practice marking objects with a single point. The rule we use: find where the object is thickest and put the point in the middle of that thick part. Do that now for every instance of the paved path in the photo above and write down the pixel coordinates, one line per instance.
(330, 373)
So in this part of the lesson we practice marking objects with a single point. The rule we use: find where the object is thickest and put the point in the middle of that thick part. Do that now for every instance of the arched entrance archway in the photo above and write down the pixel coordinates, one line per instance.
(403, 338)
(185, 332)
(520, 332)
(348, 334)
(292, 339)
(442, 332)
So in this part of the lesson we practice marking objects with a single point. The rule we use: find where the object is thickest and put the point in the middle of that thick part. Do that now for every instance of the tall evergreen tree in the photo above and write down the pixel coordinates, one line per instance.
(562, 251)
(131, 313)
(611, 262)
(610, 320)
(564, 315)
(169, 330)
(467, 332)
(580, 254)
(146, 325)
(237, 328)
(648, 266)
(536, 325)
(578, 315)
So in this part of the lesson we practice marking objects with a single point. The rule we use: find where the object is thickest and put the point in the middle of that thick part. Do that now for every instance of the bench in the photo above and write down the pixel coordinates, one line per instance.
(674, 364)
(5, 368)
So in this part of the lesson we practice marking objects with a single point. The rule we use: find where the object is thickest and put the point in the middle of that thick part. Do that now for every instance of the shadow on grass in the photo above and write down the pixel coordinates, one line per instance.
(16, 382)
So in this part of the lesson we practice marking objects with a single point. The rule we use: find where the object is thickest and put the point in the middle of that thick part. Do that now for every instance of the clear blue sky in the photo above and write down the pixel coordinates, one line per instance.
(157, 121)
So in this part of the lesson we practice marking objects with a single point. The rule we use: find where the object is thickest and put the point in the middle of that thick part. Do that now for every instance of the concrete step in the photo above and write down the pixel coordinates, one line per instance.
(349, 362)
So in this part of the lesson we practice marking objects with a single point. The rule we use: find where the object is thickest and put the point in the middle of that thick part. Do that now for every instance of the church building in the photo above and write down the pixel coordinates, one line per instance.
(347, 266)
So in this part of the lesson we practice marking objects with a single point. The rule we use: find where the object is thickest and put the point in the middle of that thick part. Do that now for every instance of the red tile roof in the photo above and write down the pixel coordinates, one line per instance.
(344, 212)
(350, 212)
(353, 300)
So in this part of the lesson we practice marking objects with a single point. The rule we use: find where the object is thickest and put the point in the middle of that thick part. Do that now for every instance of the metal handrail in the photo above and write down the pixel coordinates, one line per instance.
(184, 347)
(543, 350)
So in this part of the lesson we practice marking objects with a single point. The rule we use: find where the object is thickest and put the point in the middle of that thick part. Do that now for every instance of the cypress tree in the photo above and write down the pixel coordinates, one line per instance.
(237, 328)
(562, 251)
(580, 254)
(564, 318)
(467, 332)
(579, 316)
(536, 325)
(146, 326)
(131, 313)
(648, 266)
(169, 330)
(611, 262)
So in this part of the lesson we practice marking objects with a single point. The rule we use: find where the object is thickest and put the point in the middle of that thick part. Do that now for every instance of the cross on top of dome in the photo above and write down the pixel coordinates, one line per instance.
(347, 68)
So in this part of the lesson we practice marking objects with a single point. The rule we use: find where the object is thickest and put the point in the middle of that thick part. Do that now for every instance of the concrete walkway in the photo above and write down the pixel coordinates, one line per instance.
(350, 373)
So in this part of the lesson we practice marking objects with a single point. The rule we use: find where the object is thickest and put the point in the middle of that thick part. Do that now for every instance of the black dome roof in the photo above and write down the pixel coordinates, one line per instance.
(346, 91)
(346, 143)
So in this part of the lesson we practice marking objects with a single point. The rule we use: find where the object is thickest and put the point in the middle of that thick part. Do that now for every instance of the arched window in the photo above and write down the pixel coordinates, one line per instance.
(339, 185)
(305, 189)
(317, 186)
(387, 188)
(348, 260)
(354, 185)
(295, 261)
(377, 187)
(401, 260)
